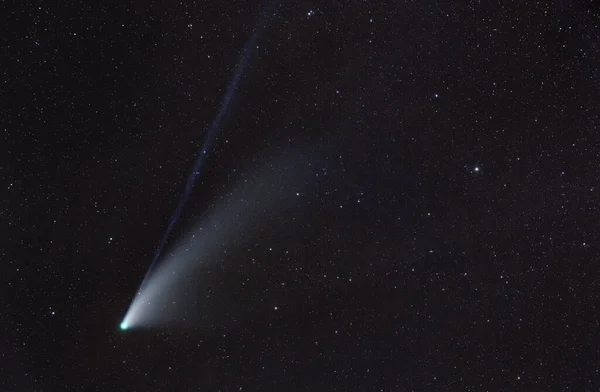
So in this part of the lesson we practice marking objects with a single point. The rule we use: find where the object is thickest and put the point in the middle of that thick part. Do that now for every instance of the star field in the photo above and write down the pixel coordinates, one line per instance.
(412, 191)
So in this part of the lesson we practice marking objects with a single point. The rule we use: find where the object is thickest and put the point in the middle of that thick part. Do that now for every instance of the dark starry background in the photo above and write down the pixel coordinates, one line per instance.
(447, 241)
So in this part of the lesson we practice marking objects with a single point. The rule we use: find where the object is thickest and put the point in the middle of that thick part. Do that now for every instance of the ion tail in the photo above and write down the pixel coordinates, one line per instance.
(209, 139)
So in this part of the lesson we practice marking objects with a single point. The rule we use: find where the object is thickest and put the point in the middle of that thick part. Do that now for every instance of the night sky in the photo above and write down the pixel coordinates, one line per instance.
(423, 203)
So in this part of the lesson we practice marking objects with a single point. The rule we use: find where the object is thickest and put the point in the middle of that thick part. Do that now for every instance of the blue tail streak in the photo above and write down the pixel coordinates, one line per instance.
(208, 142)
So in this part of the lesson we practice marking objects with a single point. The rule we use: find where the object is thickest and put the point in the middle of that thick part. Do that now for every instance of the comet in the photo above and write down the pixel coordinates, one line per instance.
(209, 139)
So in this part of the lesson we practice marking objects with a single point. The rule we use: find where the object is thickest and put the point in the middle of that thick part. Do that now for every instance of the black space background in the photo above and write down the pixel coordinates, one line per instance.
(449, 242)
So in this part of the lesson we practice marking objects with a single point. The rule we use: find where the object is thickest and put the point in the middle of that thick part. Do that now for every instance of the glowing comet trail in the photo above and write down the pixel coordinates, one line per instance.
(208, 142)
